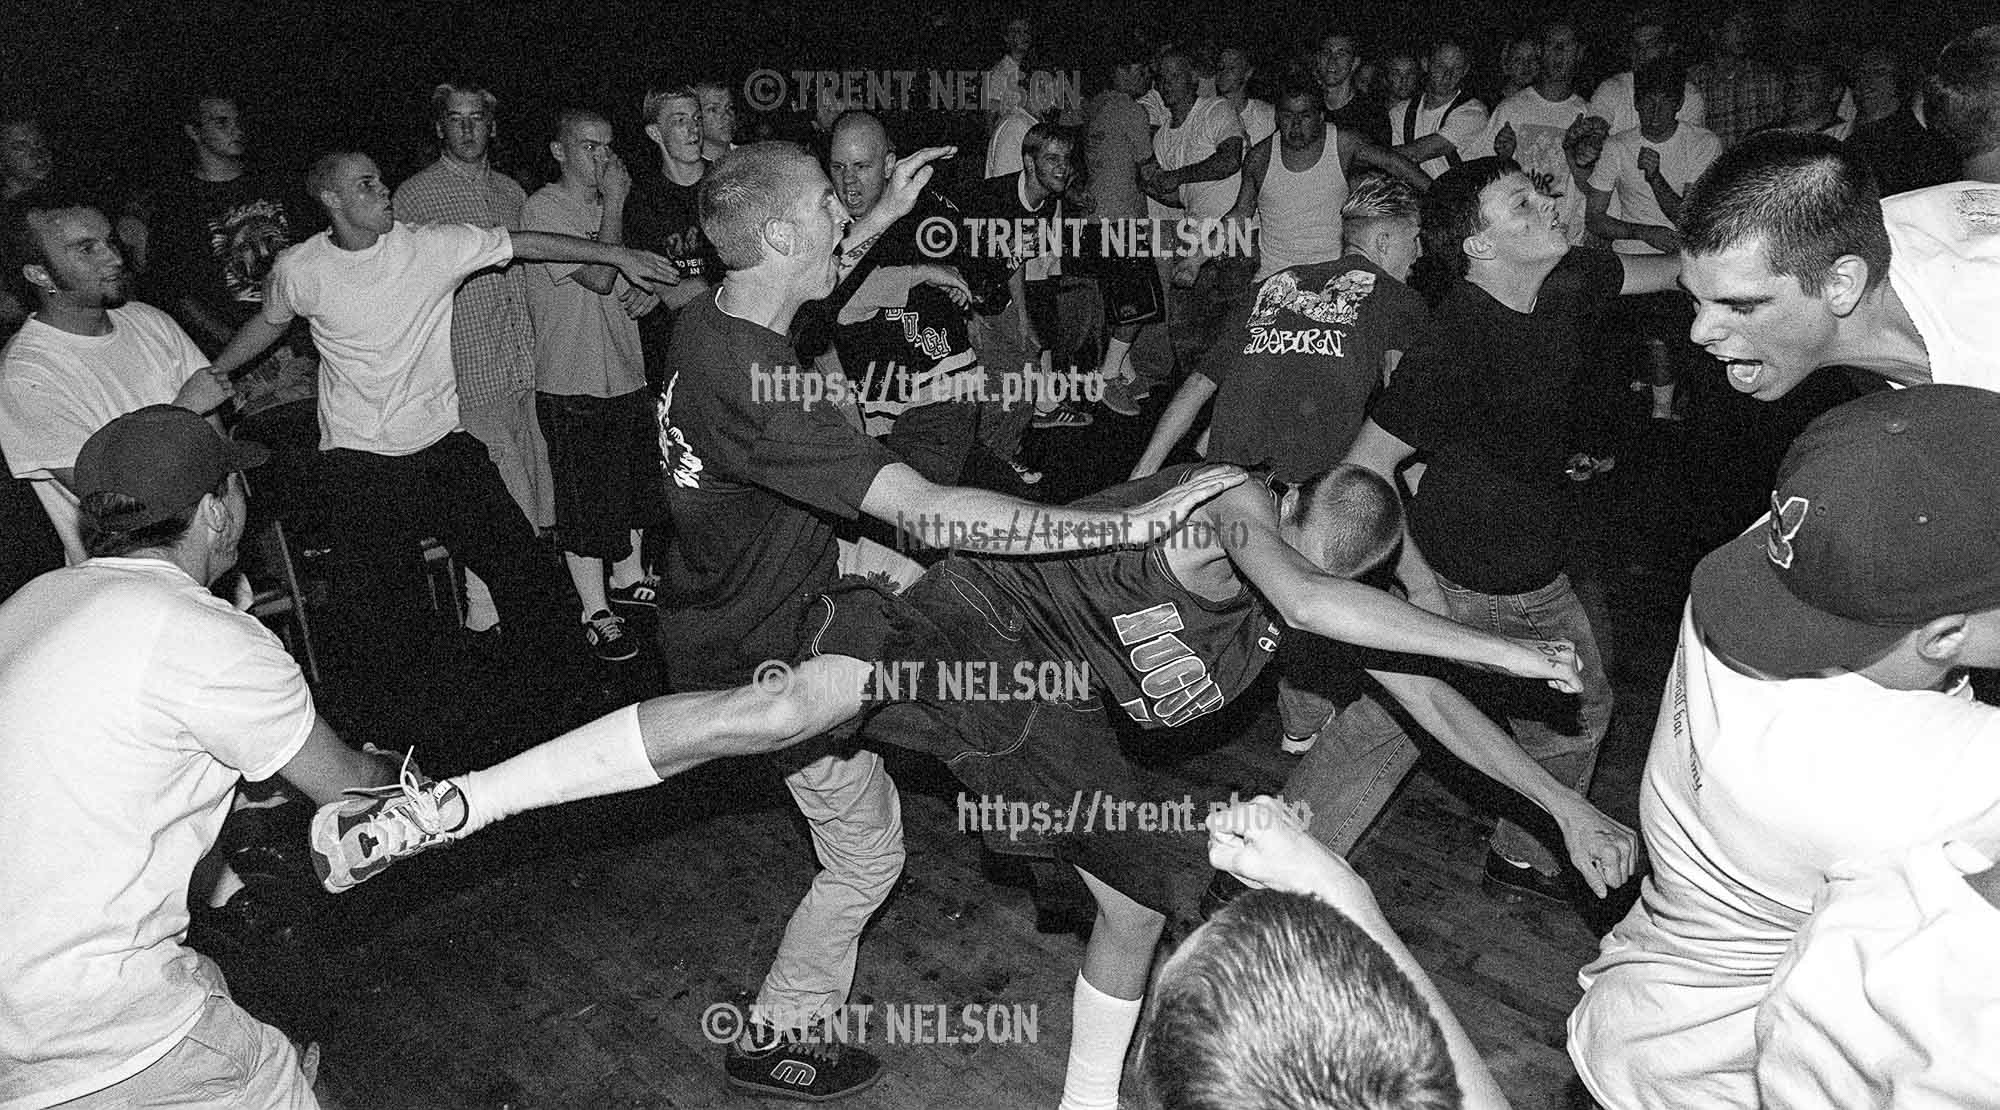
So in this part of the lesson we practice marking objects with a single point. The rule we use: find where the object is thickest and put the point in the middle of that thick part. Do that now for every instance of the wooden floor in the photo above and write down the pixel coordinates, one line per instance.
(565, 958)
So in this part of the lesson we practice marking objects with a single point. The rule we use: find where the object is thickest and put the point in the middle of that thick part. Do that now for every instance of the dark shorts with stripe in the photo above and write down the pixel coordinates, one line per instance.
(1049, 757)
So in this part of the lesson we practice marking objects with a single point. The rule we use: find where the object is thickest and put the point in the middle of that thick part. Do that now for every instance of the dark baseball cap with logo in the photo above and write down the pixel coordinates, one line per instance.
(1886, 517)
(162, 456)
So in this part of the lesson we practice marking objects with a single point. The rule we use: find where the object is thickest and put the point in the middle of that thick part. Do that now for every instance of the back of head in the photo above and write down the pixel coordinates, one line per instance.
(1800, 195)
(747, 188)
(1349, 518)
(1377, 196)
(1962, 95)
(1282, 1003)
(1451, 212)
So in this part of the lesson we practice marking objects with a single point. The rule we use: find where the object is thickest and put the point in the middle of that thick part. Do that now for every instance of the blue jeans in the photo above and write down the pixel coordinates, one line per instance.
(1349, 776)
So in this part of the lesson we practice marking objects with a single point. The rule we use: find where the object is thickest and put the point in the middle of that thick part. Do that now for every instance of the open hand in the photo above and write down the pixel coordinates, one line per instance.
(907, 181)
(646, 269)
(1163, 514)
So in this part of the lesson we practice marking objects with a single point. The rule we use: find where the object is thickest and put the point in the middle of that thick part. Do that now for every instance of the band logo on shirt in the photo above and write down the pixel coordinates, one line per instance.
(1305, 341)
(1173, 678)
(933, 342)
(1337, 302)
(677, 457)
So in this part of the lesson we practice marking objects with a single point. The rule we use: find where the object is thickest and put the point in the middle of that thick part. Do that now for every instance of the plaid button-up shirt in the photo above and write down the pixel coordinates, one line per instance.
(492, 338)
(1740, 102)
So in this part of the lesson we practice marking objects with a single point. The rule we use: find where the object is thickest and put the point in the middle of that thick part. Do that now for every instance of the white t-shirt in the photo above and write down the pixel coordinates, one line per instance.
(57, 389)
(381, 318)
(1463, 129)
(1613, 101)
(1682, 158)
(131, 702)
(1209, 124)
(1753, 791)
(1944, 265)
(1539, 126)
(1890, 996)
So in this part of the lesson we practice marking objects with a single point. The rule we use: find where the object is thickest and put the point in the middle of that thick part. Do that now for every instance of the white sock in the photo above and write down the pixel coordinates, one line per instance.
(1100, 1032)
(1115, 354)
(1663, 399)
(606, 756)
(480, 612)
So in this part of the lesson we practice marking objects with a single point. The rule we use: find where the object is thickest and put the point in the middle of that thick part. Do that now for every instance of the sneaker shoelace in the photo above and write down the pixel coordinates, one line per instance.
(607, 625)
(414, 816)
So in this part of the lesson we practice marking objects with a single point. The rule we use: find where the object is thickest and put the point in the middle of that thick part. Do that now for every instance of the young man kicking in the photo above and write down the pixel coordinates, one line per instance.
(1168, 631)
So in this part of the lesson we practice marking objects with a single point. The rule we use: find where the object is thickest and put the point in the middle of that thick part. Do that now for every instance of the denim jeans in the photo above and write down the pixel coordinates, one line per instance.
(1349, 776)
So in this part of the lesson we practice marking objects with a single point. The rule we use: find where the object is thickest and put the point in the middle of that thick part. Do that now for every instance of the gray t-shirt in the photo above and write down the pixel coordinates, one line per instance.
(1116, 139)
(585, 344)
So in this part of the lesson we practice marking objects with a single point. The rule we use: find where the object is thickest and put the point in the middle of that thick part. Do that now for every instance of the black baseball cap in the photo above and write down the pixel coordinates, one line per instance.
(162, 456)
(1886, 516)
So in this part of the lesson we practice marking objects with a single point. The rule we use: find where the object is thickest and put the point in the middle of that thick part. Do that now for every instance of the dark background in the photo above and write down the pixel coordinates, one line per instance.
(107, 76)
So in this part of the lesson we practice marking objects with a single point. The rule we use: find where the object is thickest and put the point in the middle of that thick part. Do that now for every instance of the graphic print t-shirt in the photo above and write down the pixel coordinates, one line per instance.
(660, 217)
(213, 242)
(1161, 652)
(895, 355)
(1294, 379)
(755, 481)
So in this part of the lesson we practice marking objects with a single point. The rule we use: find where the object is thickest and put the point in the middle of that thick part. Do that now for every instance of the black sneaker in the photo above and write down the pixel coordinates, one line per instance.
(798, 1066)
(1514, 883)
(605, 633)
(643, 594)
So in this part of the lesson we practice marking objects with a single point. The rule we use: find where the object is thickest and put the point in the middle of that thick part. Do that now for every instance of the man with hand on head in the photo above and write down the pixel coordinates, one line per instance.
(595, 409)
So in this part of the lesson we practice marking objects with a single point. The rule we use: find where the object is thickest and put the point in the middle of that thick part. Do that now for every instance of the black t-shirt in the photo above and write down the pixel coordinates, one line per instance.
(755, 484)
(213, 243)
(1295, 376)
(1494, 397)
(999, 198)
(929, 331)
(1364, 116)
(660, 216)
(1161, 652)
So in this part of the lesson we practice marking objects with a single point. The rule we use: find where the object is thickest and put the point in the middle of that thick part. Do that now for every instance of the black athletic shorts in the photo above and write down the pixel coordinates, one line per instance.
(1046, 755)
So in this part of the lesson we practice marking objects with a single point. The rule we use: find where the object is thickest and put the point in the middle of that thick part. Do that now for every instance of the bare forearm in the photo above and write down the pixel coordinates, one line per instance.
(1174, 423)
(252, 339)
(1476, 1085)
(1473, 737)
(980, 520)
(600, 278)
(1352, 613)
(547, 246)
(1227, 159)
(1663, 193)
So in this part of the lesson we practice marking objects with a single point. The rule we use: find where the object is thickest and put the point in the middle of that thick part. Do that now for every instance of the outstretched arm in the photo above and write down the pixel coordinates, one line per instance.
(1312, 600)
(641, 268)
(1354, 148)
(1603, 850)
(1174, 423)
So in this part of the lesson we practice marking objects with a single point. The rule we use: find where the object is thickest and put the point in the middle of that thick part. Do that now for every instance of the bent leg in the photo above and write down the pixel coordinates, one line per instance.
(1108, 993)
(856, 817)
(1348, 777)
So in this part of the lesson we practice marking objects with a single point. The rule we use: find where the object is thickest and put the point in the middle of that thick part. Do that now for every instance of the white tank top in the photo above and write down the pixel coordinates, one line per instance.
(1298, 214)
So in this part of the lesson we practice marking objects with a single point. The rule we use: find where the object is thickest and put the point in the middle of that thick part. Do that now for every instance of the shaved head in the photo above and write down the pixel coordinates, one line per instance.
(863, 132)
